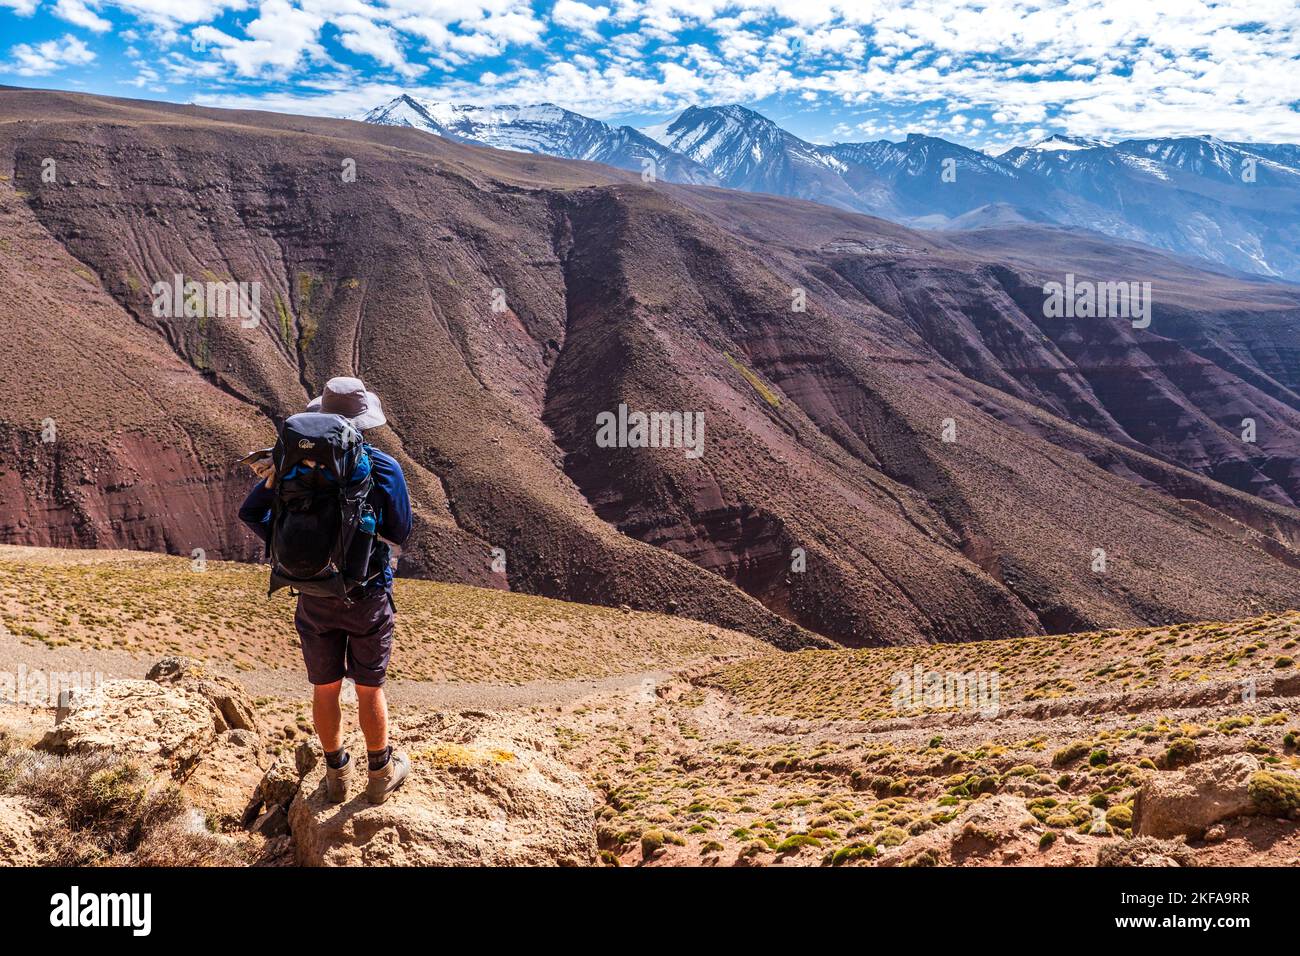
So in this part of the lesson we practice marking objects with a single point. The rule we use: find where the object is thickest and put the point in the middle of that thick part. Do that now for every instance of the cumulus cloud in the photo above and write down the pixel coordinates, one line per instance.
(1097, 67)
(79, 14)
(27, 59)
(578, 16)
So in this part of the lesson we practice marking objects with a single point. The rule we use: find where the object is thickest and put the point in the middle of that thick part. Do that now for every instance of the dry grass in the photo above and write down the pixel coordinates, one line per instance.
(857, 684)
(155, 605)
(102, 811)
(717, 765)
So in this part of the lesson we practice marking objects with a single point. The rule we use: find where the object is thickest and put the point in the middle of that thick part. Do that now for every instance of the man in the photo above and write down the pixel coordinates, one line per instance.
(351, 639)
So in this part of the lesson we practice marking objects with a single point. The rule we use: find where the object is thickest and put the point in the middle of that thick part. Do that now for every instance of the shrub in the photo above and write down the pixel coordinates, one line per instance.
(1098, 758)
(1274, 793)
(924, 858)
(104, 810)
(854, 851)
(797, 840)
(1182, 751)
(1120, 817)
(1070, 753)
(892, 836)
(651, 841)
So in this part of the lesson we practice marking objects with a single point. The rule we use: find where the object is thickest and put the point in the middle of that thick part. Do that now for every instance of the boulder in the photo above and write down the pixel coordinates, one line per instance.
(1145, 851)
(1188, 802)
(163, 729)
(226, 774)
(233, 708)
(21, 827)
(989, 827)
(484, 789)
(279, 785)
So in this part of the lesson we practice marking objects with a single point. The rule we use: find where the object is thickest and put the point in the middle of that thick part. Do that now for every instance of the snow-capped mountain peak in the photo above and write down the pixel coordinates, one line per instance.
(542, 128)
(1161, 190)
(1061, 143)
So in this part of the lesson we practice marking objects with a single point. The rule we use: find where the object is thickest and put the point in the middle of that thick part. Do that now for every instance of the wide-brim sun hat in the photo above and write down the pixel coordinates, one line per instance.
(348, 397)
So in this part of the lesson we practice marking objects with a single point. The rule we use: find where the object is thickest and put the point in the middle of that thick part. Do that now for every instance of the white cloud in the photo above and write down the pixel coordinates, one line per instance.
(578, 16)
(39, 59)
(1097, 67)
(278, 42)
(79, 14)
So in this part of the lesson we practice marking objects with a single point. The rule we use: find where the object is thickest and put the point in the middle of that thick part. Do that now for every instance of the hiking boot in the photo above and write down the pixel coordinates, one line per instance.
(336, 782)
(388, 778)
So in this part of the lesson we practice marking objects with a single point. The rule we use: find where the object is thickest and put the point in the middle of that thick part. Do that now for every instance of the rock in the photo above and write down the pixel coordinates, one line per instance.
(992, 824)
(989, 824)
(225, 776)
(1215, 833)
(1188, 802)
(21, 827)
(306, 755)
(484, 789)
(228, 699)
(272, 823)
(164, 730)
(278, 786)
(1145, 851)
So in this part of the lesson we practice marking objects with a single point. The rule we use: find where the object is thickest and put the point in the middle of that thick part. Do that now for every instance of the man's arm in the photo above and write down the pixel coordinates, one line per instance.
(256, 510)
(393, 499)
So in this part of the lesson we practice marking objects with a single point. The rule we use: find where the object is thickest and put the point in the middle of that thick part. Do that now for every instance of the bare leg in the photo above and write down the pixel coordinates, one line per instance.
(326, 715)
(372, 711)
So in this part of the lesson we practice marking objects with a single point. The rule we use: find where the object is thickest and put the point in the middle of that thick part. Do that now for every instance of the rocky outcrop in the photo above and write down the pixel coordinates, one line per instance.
(164, 730)
(1188, 802)
(267, 812)
(183, 722)
(233, 707)
(484, 789)
(226, 773)
(1145, 851)
(994, 827)
(21, 826)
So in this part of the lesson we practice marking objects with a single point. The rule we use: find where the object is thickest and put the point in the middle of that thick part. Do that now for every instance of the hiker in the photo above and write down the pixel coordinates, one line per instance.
(328, 506)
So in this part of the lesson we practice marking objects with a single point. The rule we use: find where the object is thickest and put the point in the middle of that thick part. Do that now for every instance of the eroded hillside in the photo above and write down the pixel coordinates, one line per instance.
(500, 302)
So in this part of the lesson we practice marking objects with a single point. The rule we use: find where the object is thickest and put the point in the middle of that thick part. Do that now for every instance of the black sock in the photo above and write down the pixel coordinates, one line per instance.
(334, 759)
(378, 758)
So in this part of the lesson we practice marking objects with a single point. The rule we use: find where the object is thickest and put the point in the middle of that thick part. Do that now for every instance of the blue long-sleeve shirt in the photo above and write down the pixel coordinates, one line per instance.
(388, 496)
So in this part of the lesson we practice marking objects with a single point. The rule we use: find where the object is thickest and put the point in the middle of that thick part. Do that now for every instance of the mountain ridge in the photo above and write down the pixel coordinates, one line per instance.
(825, 425)
(1236, 204)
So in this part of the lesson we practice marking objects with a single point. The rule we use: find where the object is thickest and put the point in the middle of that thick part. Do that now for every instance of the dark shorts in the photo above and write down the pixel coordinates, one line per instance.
(346, 640)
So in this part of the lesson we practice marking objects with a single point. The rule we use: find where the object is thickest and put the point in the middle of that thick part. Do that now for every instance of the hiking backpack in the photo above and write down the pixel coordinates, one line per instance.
(322, 526)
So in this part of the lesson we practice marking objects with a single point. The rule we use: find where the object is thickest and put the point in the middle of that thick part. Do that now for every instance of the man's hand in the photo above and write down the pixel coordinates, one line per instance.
(264, 468)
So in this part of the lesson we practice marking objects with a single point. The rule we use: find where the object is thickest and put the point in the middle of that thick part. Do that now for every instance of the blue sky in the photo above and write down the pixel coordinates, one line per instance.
(986, 73)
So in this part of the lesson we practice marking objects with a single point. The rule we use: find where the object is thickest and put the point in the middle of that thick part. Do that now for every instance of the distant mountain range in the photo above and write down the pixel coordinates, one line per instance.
(1235, 204)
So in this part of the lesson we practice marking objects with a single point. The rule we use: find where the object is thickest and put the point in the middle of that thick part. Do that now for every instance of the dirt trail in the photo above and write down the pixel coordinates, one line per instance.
(291, 683)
